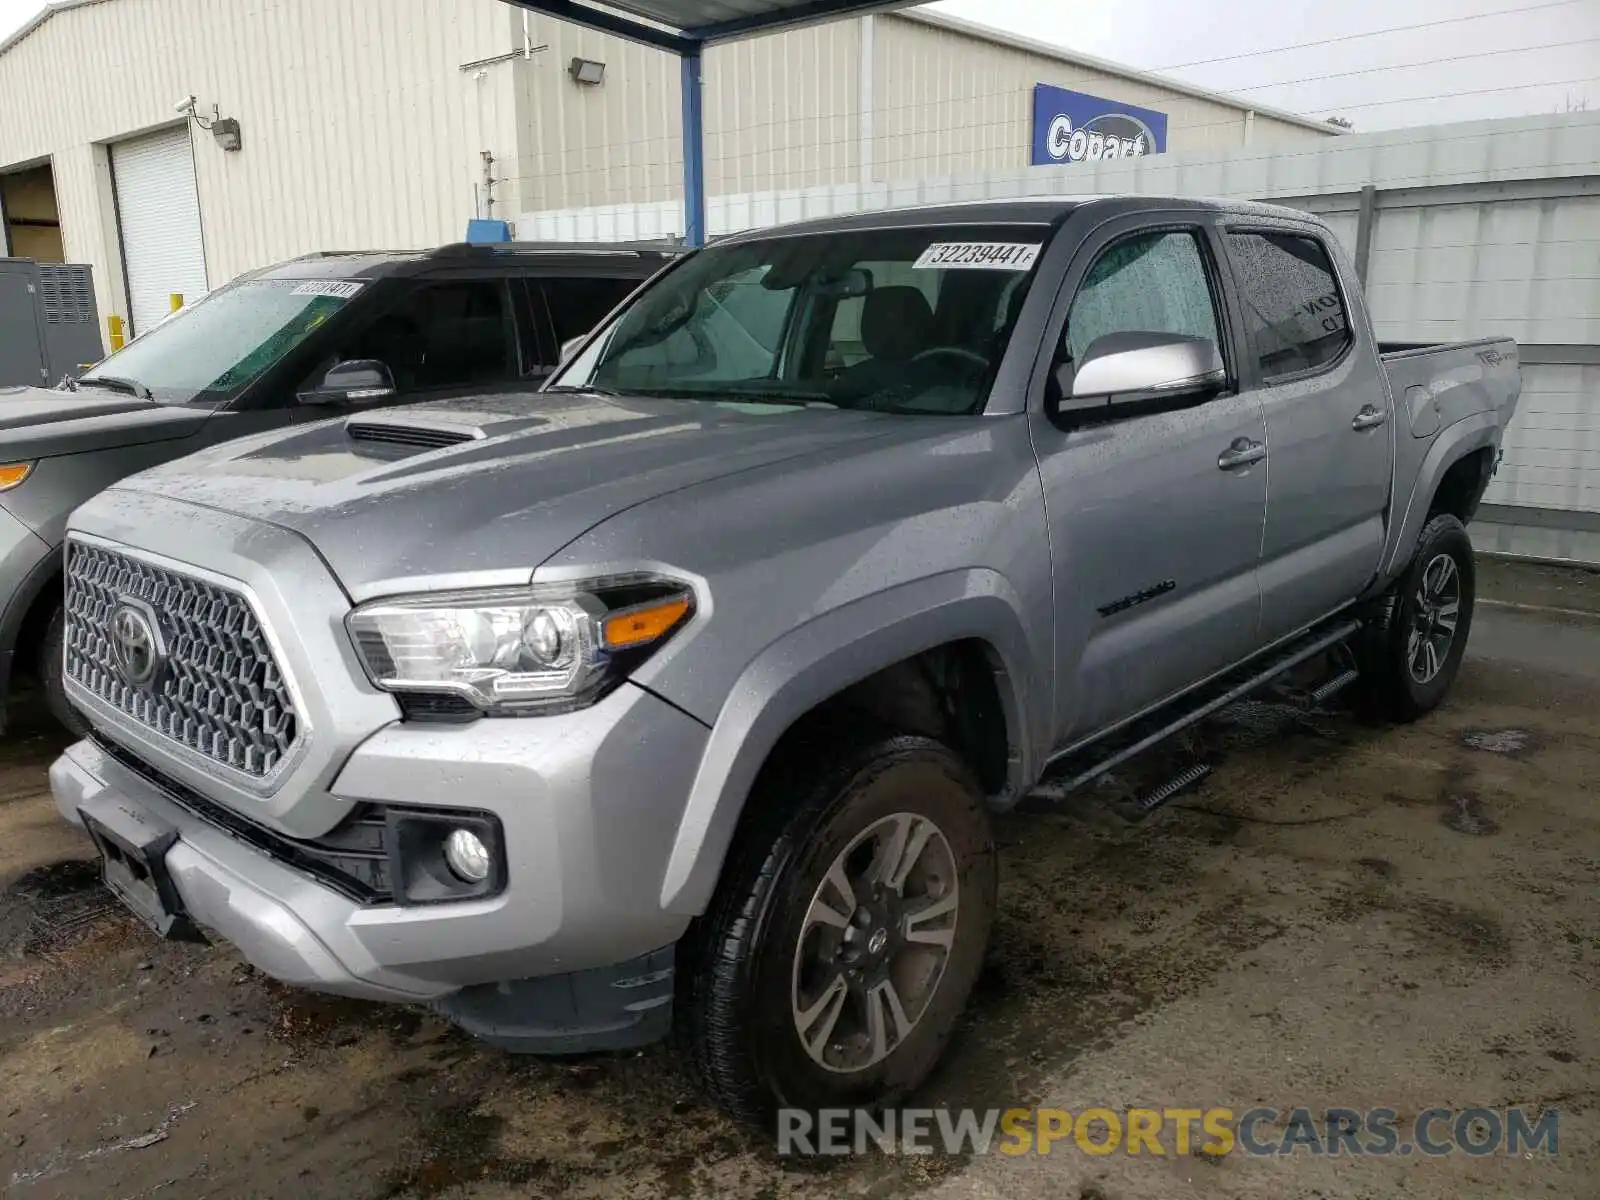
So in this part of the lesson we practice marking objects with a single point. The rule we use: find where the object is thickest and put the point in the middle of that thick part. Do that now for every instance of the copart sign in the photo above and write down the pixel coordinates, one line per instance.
(1070, 127)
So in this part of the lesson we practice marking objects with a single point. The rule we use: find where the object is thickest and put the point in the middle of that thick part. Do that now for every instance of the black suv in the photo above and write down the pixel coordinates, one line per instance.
(317, 337)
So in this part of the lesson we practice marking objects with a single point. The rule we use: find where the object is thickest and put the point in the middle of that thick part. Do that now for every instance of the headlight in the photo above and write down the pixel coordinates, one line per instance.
(523, 650)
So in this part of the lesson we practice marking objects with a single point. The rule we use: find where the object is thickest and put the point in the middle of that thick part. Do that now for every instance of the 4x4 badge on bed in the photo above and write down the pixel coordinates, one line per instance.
(136, 644)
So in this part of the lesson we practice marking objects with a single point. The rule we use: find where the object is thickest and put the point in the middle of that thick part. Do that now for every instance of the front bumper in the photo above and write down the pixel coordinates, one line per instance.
(588, 802)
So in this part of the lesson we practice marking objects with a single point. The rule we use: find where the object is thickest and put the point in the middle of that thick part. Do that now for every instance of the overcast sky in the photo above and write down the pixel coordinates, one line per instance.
(1537, 57)
(1528, 49)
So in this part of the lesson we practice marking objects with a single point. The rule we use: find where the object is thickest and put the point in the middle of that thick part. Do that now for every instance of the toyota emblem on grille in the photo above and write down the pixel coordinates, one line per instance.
(136, 644)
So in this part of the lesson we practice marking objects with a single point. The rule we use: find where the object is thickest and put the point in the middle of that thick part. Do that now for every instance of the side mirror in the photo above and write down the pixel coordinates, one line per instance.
(354, 379)
(1123, 373)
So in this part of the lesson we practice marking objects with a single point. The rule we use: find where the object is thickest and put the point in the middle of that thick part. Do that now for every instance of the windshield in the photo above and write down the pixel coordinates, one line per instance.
(899, 320)
(207, 352)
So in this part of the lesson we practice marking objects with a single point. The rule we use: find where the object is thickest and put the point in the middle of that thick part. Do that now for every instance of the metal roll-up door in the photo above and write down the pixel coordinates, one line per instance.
(159, 214)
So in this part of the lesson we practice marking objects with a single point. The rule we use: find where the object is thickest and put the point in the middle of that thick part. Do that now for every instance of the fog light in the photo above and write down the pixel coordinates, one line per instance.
(467, 856)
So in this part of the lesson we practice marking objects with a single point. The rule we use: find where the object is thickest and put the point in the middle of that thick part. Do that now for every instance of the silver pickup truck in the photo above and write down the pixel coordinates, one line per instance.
(678, 695)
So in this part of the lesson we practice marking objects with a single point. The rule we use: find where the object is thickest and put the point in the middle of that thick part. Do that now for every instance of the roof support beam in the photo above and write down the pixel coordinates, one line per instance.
(689, 43)
(694, 157)
(614, 23)
(808, 12)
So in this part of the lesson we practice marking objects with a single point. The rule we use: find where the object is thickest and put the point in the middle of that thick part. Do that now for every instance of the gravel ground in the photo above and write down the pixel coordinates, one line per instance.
(1339, 915)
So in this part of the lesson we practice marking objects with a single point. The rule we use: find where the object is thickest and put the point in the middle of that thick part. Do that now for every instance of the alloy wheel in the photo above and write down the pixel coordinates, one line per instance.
(875, 942)
(1436, 613)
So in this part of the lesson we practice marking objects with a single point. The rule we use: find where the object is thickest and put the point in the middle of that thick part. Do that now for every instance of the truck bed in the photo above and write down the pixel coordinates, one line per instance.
(1436, 385)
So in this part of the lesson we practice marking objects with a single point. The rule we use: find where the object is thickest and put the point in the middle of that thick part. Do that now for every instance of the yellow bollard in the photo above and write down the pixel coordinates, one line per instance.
(115, 326)
(176, 300)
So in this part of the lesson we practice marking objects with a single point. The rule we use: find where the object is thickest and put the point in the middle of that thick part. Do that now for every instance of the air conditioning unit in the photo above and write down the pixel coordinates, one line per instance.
(48, 326)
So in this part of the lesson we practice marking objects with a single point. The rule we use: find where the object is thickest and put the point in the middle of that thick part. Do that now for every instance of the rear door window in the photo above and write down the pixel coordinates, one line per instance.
(1293, 308)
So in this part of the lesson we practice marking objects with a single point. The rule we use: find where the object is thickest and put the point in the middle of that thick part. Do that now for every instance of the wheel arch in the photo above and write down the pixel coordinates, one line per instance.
(30, 607)
(1462, 485)
(1450, 447)
(819, 662)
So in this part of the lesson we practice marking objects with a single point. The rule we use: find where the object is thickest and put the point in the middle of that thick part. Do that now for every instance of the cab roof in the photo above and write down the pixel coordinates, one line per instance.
(1043, 210)
(1025, 210)
(615, 258)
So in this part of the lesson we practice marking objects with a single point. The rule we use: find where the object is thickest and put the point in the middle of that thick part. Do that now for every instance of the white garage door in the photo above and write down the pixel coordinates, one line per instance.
(159, 213)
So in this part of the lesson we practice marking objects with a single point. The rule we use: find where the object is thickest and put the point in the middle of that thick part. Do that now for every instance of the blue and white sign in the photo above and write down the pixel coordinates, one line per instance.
(1072, 127)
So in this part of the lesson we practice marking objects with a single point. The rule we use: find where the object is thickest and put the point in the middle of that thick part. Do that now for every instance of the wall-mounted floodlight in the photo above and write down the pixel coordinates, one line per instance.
(226, 131)
(587, 71)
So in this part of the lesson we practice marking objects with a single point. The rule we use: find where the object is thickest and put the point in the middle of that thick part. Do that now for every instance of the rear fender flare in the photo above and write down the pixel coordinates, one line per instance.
(1450, 445)
(818, 660)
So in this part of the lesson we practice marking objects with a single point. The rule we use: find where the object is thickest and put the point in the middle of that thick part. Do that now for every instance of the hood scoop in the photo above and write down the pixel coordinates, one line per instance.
(420, 433)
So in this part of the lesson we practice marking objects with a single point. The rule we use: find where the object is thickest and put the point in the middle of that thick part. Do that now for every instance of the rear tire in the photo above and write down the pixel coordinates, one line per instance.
(794, 992)
(50, 665)
(1412, 652)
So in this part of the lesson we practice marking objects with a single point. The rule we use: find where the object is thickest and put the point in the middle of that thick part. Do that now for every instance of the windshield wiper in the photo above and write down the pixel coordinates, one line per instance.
(721, 396)
(116, 383)
(791, 399)
(572, 389)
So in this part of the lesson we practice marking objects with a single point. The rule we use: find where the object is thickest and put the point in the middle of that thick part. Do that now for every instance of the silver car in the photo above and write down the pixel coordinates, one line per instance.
(680, 693)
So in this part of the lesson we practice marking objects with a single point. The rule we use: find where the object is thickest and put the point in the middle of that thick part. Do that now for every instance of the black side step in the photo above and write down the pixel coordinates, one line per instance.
(1081, 765)
(1315, 697)
(1140, 808)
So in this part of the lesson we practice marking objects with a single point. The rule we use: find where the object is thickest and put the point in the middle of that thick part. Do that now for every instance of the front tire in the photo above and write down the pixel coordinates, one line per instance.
(846, 933)
(50, 665)
(1414, 650)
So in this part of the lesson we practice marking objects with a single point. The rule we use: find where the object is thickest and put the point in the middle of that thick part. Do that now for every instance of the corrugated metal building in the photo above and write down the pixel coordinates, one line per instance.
(899, 95)
(366, 123)
(357, 128)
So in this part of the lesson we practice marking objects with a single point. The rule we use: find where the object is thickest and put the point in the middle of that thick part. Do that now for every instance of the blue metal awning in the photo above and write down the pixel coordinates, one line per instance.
(686, 28)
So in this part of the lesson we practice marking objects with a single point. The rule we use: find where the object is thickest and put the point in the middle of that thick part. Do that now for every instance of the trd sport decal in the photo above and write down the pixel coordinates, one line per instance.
(1127, 602)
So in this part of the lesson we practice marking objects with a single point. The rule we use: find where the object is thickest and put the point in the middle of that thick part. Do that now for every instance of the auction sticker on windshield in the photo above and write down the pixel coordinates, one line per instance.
(340, 289)
(985, 256)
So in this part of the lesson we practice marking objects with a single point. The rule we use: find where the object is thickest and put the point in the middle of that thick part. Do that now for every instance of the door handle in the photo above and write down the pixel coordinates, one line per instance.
(1242, 453)
(1368, 418)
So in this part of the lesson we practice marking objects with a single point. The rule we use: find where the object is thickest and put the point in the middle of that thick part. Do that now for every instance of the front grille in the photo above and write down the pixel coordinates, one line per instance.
(219, 692)
(352, 858)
